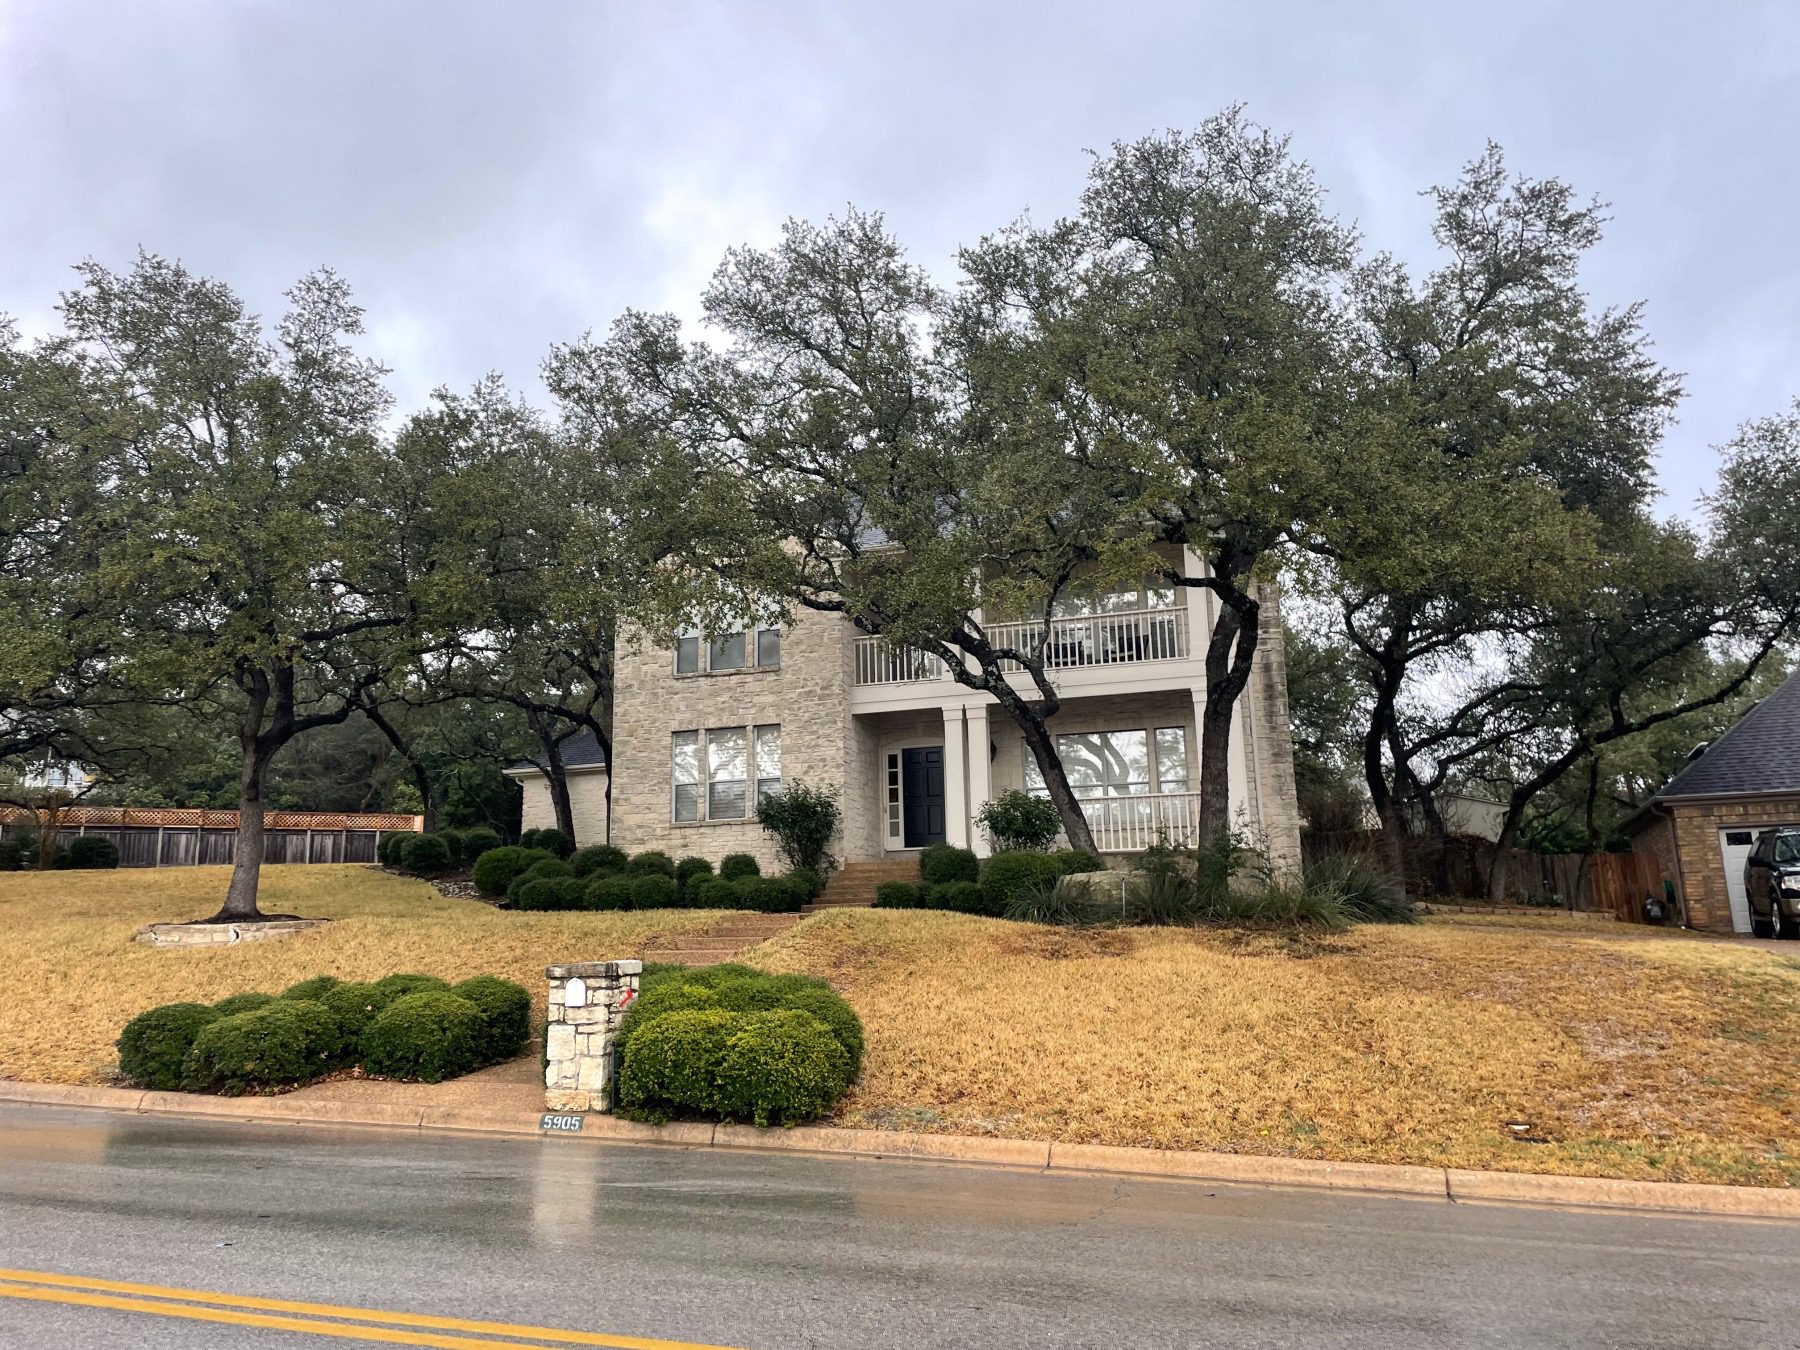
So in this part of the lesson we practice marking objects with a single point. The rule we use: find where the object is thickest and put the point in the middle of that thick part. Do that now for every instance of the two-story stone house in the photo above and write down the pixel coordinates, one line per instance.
(703, 730)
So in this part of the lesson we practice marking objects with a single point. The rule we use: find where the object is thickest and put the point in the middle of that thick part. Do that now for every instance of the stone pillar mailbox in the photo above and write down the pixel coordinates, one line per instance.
(587, 1002)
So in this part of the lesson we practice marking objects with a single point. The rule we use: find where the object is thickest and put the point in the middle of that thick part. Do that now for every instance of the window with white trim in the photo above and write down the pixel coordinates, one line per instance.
(1117, 763)
(712, 772)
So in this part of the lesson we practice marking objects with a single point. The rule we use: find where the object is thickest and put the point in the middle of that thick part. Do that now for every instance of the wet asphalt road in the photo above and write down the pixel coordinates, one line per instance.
(753, 1250)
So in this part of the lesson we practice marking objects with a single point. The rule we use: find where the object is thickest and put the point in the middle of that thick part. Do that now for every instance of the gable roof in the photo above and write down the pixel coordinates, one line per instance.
(1760, 753)
(580, 751)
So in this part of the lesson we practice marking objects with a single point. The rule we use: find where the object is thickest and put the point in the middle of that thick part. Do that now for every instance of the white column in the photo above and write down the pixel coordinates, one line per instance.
(981, 775)
(956, 797)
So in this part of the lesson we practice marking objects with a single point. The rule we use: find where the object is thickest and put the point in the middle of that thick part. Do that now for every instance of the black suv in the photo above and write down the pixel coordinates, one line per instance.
(1772, 884)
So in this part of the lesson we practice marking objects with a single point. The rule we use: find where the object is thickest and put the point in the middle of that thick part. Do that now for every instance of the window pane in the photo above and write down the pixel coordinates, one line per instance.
(1083, 761)
(687, 654)
(1126, 763)
(766, 788)
(1171, 759)
(768, 752)
(726, 801)
(727, 763)
(727, 652)
(768, 647)
(687, 801)
(1034, 776)
(685, 773)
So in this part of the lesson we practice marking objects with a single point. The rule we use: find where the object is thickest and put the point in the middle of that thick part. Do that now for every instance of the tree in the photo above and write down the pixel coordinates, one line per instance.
(266, 575)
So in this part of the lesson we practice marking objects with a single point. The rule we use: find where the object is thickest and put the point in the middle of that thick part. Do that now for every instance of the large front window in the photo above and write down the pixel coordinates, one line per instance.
(710, 771)
(1117, 763)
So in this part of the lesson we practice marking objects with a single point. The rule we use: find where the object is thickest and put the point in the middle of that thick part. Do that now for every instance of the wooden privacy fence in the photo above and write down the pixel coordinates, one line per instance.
(189, 837)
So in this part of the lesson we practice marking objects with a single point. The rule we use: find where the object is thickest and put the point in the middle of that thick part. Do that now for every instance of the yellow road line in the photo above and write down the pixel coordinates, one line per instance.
(246, 1310)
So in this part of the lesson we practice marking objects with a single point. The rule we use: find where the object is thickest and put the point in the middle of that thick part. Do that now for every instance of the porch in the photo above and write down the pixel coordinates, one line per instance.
(1124, 637)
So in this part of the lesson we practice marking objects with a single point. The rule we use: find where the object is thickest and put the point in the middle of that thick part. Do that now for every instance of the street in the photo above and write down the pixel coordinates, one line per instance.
(749, 1250)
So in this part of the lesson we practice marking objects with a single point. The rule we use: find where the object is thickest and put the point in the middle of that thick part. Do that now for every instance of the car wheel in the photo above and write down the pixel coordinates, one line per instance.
(1784, 926)
(1761, 927)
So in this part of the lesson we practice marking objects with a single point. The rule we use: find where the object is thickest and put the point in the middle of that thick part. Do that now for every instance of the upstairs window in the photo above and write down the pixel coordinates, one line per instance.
(736, 649)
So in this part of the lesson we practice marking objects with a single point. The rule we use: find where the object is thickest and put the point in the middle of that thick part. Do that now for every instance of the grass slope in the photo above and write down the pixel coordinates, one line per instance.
(73, 977)
(1656, 1057)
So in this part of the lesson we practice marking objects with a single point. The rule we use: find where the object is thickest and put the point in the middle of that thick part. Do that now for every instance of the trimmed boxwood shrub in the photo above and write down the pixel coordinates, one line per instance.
(1013, 875)
(496, 869)
(780, 1067)
(427, 855)
(545, 869)
(740, 989)
(940, 863)
(387, 852)
(653, 891)
(675, 1060)
(316, 988)
(154, 1046)
(712, 893)
(768, 895)
(233, 1004)
(397, 986)
(475, 842)
(283, 1043)
(547, 893)
(550, 839)
(597, 858)
(93, 853)
(505, 1012)
(651, 862)
(355, 1005)
(689, 870)
(817, 999)
(427, 1036)
(808, 881)
(1073, 860)
(12, 856)
(965, 897)
(609, 892)
(899, 895)
(737, 866)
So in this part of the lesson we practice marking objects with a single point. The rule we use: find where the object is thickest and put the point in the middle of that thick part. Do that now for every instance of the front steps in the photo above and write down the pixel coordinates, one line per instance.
(853, 884)
(724, 941)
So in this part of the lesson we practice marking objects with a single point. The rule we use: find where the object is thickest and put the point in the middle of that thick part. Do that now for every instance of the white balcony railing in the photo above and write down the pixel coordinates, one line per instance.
(1120, 638)
(1132, 824)
(880, 662)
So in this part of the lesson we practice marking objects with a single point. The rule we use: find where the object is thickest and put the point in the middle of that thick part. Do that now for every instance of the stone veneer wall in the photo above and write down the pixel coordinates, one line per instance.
(1697, 826)
(587, 1002)
(808, 695)
(587, 802)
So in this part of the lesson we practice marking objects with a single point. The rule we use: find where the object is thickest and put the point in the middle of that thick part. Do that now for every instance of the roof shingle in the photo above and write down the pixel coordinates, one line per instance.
(1760, 753)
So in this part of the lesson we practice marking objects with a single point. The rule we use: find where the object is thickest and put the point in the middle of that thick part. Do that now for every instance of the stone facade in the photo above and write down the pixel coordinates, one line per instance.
(587, 802)
(1689, 851)
(588, 1000)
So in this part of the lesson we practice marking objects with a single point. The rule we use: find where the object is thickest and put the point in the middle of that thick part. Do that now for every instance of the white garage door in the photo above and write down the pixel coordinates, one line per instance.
(1736, 846)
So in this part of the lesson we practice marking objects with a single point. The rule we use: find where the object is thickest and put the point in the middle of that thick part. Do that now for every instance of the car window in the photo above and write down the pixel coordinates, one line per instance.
(1787, 848)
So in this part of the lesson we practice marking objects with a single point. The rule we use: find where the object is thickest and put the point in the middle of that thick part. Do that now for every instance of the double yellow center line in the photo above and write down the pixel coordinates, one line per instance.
(314, 1319)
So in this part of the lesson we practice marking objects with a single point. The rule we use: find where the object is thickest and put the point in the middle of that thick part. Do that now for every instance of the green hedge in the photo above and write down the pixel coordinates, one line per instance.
(651, 862)
(691, 869)
(609, 893)
(1073, 860)
(597, 858)
(712, 893)
(233, 1004)
(962, 897)
(12, 855)
(899, 895)
(396, 986)
(940, 863)
(653, 891)
(505, 1010)
(737, 866)
(93, 853)
(426, 855)
(1016, 874)
(427, 1036)
(387, 852)
(316, 988)
(355, 1005)
(284, 1043)
(780, 1068)
(154, 1046)
(548, 893)
(496, 869)
(475, 842)
(550, 840)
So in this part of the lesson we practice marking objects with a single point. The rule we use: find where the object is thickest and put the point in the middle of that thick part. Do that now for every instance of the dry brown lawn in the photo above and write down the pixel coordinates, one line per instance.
(1634, 1056)
(71, 977)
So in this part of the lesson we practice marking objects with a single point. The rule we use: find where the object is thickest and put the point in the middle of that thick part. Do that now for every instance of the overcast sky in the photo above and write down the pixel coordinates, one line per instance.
(493, 177)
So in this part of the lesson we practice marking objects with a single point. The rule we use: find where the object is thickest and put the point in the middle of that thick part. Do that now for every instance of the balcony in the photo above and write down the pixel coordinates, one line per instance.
(1124, 637)
(1132, 824)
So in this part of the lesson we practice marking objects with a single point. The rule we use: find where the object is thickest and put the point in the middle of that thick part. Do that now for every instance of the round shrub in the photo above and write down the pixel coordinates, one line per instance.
(285, 1042)
(314, 989)
(1006, 877)
(550, 839)
(496, 869)
(12, 856)
(964, 897)
(475, 842)
(808, 881)
(817, 999)
(737, 866)
(547, 893)
(93, 853)
(397, 986)
(899, 895)
(674, 1061)
(609, 892)
(679, 991)
(653, 891)
(154, 1045)
(712, 893)
(689, 870)
(940, 863)
(651, 862)
(779, 1068)
(1073, 860)
(427, 1036)
(236, 1003)
(356, 1005)
(1019, 821)
(453, 840)
(597, 858)
(387, 852)
(505, 1011)
(546, 869)
(426, 855)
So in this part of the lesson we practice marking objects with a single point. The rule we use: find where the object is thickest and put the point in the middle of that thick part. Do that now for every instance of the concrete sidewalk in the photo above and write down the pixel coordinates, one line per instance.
(507, 1100)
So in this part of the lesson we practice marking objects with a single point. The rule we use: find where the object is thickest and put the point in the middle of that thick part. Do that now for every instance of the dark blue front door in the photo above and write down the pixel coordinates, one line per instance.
(922, 795)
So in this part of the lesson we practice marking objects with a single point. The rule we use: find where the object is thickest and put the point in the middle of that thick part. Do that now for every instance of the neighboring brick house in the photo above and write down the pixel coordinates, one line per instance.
(703, 730)
(584, 767)
(1703, 823)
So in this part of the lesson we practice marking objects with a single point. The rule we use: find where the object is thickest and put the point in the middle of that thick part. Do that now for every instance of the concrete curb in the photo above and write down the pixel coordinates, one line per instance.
(1230, 1169)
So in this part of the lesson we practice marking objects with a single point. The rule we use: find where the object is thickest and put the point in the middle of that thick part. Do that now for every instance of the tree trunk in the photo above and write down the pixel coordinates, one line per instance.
(252, 839)
(1230, 649)
(557, 776)
(1056, 783)
(49, 827)
(427, 803)
(1503, 847)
